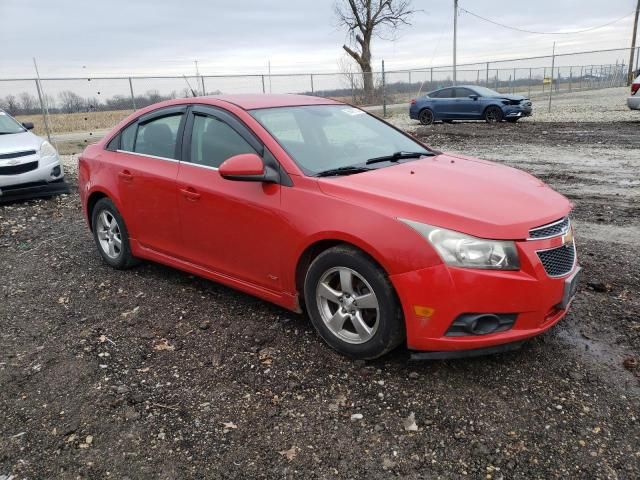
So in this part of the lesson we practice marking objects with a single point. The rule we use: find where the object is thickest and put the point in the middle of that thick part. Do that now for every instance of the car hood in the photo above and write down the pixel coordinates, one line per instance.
(19, 142)
(473, 196)
(510, 97)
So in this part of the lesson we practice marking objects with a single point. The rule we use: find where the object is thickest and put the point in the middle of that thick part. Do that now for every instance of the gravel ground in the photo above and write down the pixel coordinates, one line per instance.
(153, 373)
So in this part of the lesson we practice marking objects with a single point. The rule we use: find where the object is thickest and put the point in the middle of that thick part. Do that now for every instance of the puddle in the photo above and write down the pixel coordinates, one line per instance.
(605, 358)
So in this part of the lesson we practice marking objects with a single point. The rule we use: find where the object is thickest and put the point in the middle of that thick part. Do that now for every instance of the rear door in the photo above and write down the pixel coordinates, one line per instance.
(231, 227)
(146, 163)
(443, 103)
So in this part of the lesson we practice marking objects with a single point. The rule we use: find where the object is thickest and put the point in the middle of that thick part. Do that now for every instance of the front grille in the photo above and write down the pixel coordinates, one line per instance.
(559, 227)
(26, 153)
(558, 261)
(17, 169)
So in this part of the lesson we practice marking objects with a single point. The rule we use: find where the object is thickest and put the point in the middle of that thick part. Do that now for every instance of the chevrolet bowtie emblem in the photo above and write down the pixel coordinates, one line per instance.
(567, 237)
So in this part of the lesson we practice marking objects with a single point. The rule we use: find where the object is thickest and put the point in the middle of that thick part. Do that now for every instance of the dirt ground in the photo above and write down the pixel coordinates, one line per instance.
(153, 373)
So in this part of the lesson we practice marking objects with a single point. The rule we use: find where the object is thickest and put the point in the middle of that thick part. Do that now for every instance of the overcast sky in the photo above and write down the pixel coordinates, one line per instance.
(128, 37)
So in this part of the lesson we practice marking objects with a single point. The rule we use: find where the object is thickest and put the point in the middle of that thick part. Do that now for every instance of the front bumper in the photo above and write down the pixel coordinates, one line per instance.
(28, 191)
(517, 112)
(446, 292)
(633, 102)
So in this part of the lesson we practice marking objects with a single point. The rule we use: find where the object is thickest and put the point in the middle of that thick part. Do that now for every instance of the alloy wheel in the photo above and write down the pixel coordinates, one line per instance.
(109, 236)
(348, 305)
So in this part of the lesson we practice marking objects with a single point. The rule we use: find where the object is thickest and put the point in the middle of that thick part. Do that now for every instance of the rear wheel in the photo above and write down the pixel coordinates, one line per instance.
(111, 235)
(352, 304)
(493, 114)
(426, 117)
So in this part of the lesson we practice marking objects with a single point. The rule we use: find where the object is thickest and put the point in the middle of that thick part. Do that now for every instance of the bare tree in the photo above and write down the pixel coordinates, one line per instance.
(366, 18)
(71, 102)
(10, 104)
(28, 103)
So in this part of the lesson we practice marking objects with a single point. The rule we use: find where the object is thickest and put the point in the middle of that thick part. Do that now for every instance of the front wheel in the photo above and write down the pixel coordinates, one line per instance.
(352, 304)
(493, 115)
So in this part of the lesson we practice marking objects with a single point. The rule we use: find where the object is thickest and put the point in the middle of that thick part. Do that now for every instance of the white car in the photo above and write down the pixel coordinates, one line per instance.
(633, 102)
(29, 165)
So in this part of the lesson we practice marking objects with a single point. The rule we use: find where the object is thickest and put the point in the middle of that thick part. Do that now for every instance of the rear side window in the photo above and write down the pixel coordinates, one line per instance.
(128, 137)
(158, 137)
(444, 93)
(213, 141)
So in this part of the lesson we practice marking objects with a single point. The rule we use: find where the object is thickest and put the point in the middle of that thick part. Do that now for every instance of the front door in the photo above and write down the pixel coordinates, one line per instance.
(234, 228)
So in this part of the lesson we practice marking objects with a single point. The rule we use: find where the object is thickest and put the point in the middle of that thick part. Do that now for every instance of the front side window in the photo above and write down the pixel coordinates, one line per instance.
(158, 137)
(323, 137)
(213, 141)
(463, 93)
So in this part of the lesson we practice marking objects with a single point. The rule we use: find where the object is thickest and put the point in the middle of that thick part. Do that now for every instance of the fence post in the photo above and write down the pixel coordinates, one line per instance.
(581, 75)
(311, 75)
(384, 94)
(478, 77)
(544, 77)
(570, 79)
(487, 82)
(204, 90)
(133, 97)
(409, 77)
(353, 91)
(529, 83)
(44, 111)
(263, 90)
(431, 86)
(513, 83)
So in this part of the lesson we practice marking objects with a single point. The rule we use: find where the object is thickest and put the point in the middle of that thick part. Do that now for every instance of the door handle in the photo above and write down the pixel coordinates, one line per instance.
(126, 176)
(190, 194)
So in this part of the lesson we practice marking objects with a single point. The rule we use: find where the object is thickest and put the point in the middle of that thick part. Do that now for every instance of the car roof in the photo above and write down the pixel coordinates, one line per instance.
(254, 101)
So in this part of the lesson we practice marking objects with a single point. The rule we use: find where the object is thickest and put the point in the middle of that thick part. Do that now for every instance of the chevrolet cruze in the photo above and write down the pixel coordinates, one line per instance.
(318, 206)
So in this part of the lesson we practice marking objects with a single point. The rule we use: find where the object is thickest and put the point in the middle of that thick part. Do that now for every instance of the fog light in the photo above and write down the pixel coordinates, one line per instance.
(55, 171)
(481, 324)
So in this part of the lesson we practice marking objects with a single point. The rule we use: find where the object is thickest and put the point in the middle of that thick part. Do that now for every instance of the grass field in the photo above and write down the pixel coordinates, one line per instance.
(75, 122)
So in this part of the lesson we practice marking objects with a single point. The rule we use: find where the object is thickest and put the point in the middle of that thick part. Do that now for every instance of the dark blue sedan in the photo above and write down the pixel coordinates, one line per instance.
(468, 102)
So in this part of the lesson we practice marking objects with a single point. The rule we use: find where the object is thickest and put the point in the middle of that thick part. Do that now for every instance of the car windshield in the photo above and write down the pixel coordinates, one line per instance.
(9, 125)
(326, 137)
(486, 92)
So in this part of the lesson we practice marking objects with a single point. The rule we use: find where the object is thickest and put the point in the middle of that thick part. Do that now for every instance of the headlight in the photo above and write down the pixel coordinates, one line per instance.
(47, 150)
(466, 251)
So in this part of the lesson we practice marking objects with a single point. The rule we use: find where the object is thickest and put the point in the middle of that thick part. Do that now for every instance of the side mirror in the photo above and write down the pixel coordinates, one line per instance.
(247, 167)
(28, 125)
(473, 97)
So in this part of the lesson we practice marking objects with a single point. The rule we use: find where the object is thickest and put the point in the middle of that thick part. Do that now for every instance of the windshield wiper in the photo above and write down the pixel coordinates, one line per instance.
(342, 171)
(398, 156)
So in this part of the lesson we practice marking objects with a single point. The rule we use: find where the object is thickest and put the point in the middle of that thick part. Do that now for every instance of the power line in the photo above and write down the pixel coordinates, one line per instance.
(543, 33)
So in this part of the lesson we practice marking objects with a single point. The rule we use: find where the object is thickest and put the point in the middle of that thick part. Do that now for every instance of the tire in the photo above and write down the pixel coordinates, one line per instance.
(512, 120)
(425, 116)
(335, 282)
(112, 239)
(493, 114)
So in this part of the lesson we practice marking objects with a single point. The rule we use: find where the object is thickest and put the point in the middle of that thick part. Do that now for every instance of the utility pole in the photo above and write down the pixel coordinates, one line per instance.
(633, 45)
(269, 67)
(455, 35)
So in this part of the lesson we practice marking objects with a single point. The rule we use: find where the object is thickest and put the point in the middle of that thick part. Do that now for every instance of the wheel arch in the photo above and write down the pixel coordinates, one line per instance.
(92, 199)
(321, 245)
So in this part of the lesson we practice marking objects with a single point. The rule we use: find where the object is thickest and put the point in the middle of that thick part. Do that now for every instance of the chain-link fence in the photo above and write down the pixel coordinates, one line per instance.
(96, 104)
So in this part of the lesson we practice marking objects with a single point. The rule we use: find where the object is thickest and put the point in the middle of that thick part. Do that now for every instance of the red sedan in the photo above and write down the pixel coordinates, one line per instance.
(319, 206)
